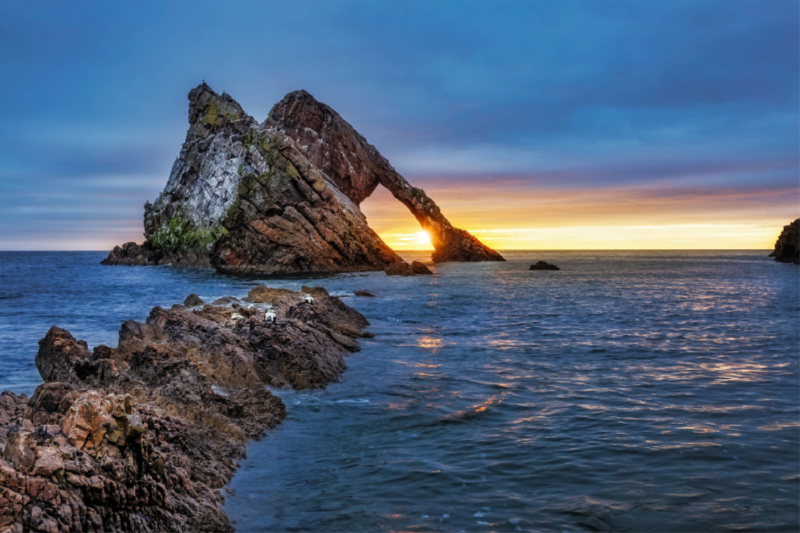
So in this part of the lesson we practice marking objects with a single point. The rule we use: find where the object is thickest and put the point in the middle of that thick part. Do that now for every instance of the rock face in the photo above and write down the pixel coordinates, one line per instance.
(249, 198)
(140, 438)
(357, 168)
(787, 247)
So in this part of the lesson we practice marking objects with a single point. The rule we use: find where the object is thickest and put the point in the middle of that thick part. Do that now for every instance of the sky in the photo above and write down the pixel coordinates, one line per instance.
(534, 125)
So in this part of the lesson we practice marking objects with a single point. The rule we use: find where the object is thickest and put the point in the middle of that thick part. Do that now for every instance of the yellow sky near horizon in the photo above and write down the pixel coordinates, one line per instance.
(618, 219)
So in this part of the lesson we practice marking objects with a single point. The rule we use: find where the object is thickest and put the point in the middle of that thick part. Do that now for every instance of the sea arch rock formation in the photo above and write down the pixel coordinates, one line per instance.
(357, 168)
(280, 197)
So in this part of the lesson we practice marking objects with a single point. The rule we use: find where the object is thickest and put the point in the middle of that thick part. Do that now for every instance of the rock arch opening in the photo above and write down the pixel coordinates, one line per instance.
(394, 223)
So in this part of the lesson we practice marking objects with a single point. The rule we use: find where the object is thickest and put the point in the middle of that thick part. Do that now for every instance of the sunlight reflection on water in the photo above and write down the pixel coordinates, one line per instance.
(631, 391)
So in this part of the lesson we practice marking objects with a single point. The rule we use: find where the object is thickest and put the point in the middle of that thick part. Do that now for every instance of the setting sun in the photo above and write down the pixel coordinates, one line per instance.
(423, 238)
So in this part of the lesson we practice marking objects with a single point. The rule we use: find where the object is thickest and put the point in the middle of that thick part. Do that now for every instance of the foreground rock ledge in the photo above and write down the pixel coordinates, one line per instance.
(139, 438)
(280, 197)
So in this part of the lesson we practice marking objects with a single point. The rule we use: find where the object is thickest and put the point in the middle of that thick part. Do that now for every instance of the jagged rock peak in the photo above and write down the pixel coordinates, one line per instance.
(332, 143)
(209, 110)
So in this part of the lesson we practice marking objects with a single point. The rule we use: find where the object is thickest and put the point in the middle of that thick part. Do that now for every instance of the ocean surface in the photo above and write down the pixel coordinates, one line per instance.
(630, 391)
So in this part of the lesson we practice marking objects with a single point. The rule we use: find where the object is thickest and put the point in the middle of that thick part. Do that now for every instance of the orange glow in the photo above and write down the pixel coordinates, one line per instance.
(519, 216)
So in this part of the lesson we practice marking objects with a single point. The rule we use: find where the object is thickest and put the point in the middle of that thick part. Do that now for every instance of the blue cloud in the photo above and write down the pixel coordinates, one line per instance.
(96, 92)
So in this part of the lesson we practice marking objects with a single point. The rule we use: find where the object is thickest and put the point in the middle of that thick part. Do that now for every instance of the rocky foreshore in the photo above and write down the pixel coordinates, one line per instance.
(280, 197)
(140, 438)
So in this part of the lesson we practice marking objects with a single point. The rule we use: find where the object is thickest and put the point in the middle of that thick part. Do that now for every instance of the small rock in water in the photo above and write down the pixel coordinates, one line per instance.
(597, 524)
(400, 269)
(225, 301)
(420, 268)
(541, 265)
(193, 300)
(365, 294)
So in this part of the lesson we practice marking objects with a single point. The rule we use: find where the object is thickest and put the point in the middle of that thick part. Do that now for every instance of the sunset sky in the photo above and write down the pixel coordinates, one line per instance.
(534, 125)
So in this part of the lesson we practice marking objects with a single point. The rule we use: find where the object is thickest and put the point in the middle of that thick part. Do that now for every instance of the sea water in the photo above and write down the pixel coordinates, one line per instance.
(629, 391)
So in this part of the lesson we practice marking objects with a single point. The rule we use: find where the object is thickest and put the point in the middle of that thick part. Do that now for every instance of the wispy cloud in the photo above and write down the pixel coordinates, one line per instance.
(519, 113)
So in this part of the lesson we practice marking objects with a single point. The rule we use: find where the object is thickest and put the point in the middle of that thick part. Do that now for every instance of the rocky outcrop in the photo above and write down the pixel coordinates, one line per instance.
(249, 198)
(421, 268)
(405, 269)
(787, 247)
(193, 300)
(140, 438)
(357, 168)
(543, 265)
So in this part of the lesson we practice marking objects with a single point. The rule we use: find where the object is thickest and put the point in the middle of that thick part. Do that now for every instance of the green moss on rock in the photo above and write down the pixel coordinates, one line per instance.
(181, 234)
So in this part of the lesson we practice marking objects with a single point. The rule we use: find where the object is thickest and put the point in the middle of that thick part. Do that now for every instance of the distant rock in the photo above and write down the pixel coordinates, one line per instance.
(249, 198)
(787, 247)
(400, 269)
(364, 294)
(541, 265)
(193, 300)
(406, 269)
(420, 268)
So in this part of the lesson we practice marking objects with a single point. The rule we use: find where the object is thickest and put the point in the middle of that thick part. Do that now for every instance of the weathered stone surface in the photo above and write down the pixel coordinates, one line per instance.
(139, 438)
(61, 357)
(787, 247)
(269, 295)
(314, 291)
(281, 197)
(542, 265)
(357, 168)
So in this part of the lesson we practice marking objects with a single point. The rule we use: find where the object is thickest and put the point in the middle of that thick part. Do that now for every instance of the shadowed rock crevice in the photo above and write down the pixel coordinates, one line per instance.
(246, 198)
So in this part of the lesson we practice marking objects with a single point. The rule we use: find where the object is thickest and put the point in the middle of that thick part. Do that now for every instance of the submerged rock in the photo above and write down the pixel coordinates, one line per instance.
(251, 198)
(137, 438)
(542, 265)
(364, 294)
(787, 247)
